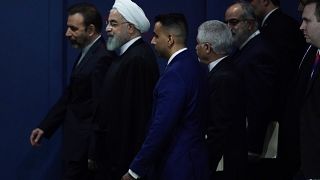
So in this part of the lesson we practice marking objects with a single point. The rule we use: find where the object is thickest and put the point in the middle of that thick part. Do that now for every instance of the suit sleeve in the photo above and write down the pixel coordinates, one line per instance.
(56, 115)
(168, 106)
(225, 110)
(259, 89)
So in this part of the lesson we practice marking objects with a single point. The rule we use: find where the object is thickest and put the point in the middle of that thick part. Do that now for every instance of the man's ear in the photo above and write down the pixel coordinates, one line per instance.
(91, 29)
(170, 40)
(208, 48)
(131, 28)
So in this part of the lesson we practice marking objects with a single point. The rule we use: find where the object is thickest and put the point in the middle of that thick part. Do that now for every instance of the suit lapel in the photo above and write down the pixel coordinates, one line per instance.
(316, 72)
(274, 14)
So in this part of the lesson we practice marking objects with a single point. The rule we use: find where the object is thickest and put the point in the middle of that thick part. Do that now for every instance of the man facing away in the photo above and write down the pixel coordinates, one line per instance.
(226, 129)
(174, 146)
(125, 104)
(286, 40)
(75, 108)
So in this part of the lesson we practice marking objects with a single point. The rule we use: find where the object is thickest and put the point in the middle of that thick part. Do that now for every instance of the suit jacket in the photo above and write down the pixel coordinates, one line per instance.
(75, 108)
(174, 147)
(283, 35)
(125, 108)
(289, 136)
(257, 66)
(226, 132)
(310, 124)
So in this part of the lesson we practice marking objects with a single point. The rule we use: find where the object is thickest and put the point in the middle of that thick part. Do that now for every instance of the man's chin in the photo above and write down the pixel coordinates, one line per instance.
(75, 45)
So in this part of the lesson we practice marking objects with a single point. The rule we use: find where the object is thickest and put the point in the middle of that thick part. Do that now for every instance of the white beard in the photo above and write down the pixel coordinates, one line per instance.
(113, 43)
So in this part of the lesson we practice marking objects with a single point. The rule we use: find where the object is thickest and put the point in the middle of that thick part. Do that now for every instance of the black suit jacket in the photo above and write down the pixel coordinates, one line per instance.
(226, 132)
(257, 66)
(289, 136)
(310, 124)
(283, 35)
(125, 108)
(75, 108)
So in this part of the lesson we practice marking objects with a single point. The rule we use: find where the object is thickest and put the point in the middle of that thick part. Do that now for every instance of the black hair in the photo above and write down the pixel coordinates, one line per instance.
(176, 22)
(90, 14)
(317, 10)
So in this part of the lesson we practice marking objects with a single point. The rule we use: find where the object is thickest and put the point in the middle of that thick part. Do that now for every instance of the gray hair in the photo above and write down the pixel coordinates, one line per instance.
(248, 12)
(217, 34)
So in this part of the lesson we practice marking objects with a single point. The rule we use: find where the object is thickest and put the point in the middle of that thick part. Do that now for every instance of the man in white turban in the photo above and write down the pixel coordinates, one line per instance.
(126, 96)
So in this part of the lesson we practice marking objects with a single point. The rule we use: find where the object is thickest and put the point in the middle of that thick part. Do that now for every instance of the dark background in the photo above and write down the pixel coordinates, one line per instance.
(35, 64)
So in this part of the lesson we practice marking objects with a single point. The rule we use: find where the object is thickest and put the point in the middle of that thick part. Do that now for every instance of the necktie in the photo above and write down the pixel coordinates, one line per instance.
(315, 64)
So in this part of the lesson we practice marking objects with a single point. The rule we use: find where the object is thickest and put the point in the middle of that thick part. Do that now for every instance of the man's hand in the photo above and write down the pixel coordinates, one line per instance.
(127, 176)
(36, 136)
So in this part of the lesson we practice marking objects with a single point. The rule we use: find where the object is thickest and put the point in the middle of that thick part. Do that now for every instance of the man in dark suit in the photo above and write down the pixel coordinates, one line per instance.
(286, 40)
(125, 103)
(255, 61)
(309, 112)
(226, 129)
(174, 146)
(76, 106)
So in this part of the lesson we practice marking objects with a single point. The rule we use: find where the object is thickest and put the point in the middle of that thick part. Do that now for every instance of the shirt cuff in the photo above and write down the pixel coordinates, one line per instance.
(133, 174)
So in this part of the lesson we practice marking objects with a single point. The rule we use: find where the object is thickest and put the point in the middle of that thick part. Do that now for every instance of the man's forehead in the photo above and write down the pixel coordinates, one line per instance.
(115, 15)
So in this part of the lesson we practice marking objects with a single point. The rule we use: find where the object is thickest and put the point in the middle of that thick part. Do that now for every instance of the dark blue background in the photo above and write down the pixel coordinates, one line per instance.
(35, 65)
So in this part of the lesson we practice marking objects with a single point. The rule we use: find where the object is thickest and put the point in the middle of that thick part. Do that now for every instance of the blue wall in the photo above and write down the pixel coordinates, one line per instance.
(35, 65)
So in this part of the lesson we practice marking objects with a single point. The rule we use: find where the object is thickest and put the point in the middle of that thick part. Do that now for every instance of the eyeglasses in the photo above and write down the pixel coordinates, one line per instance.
(115, 24)
(234, 22)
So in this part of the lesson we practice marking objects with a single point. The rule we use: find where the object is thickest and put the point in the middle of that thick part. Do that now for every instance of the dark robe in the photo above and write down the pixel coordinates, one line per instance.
(125, 109)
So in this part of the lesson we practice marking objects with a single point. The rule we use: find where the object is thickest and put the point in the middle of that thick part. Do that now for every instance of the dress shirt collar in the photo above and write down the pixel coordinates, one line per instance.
(214, 63)
(86, 49)
(124, 47)
(175, 54)
(250, 37)
(266, 17)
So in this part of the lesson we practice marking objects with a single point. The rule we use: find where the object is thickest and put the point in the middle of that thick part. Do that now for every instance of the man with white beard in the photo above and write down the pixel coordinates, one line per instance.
(126, 98)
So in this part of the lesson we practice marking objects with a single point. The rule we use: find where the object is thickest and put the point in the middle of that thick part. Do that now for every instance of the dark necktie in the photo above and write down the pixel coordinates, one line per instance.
(315, 64)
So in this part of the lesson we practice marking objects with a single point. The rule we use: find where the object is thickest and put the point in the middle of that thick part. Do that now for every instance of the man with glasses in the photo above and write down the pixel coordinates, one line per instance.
(126, 98)
(254, 60)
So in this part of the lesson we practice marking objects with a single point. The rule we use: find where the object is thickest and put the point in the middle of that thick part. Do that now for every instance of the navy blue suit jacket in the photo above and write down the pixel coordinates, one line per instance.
(174, 147)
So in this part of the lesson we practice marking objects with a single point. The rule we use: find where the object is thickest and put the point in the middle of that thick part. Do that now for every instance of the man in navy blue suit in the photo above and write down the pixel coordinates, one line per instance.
(174, 147)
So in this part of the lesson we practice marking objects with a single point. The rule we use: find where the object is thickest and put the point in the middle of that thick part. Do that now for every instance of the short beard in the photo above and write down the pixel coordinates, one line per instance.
(239, 39)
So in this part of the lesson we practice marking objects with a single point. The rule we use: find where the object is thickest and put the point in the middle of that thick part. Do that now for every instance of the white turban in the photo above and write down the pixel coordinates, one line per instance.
(133, 14)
